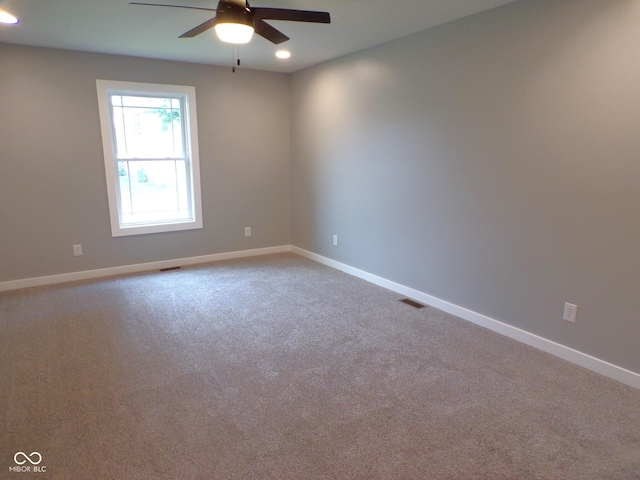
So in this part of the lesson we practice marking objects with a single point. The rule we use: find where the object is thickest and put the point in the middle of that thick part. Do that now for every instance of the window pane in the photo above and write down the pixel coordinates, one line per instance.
(157, 191)
(125, 187)
(147, 127)
(145, 102)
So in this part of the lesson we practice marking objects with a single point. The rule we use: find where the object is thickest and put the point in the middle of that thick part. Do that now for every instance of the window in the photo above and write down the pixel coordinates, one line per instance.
(150, 142)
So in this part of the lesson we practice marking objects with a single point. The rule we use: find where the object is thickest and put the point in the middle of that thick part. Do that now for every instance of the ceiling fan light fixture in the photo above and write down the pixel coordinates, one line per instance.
(234, 25)
(234, 32)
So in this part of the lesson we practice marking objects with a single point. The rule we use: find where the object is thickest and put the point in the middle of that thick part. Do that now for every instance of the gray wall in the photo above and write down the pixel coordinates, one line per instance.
(52, 180)
(493, 162)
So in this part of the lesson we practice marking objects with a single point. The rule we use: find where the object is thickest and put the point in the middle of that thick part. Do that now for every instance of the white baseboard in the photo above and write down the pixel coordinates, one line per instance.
(594, 364)
(141, 267)
(574, 356)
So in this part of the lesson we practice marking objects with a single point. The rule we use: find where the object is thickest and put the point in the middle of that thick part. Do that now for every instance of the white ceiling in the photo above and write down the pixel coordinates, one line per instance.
(114, 26)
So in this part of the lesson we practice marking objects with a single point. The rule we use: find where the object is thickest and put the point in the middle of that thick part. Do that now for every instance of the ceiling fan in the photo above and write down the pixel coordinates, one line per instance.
(236, 21)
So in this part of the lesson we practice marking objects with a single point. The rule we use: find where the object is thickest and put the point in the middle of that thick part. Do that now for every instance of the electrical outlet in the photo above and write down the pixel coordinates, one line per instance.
(77, 250)
(570, 312)
(335, 240)
(247, 231)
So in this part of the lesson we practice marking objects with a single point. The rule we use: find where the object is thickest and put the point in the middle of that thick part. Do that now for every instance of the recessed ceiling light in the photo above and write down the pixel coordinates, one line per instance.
(283, 54)
(7, 17)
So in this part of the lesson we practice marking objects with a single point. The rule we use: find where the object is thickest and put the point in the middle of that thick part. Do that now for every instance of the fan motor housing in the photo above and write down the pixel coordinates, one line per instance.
(232, 13)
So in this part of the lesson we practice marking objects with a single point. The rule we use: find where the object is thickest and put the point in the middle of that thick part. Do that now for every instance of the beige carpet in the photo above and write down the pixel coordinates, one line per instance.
(279, 368)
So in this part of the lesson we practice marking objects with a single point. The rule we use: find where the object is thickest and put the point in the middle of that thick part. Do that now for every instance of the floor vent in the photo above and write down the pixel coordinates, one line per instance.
(169, 268)
(413, 303)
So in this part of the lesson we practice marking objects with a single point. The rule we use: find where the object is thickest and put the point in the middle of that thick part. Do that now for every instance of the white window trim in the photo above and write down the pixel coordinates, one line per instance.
(104, 88)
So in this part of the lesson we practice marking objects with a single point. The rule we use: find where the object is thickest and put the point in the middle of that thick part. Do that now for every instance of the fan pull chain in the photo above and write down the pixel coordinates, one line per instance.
(235, 52)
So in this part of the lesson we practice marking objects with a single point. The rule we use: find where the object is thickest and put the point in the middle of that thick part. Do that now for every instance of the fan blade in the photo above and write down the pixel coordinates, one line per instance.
(203, 27)
(173, 6)
(291, 15)
(265, 30)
